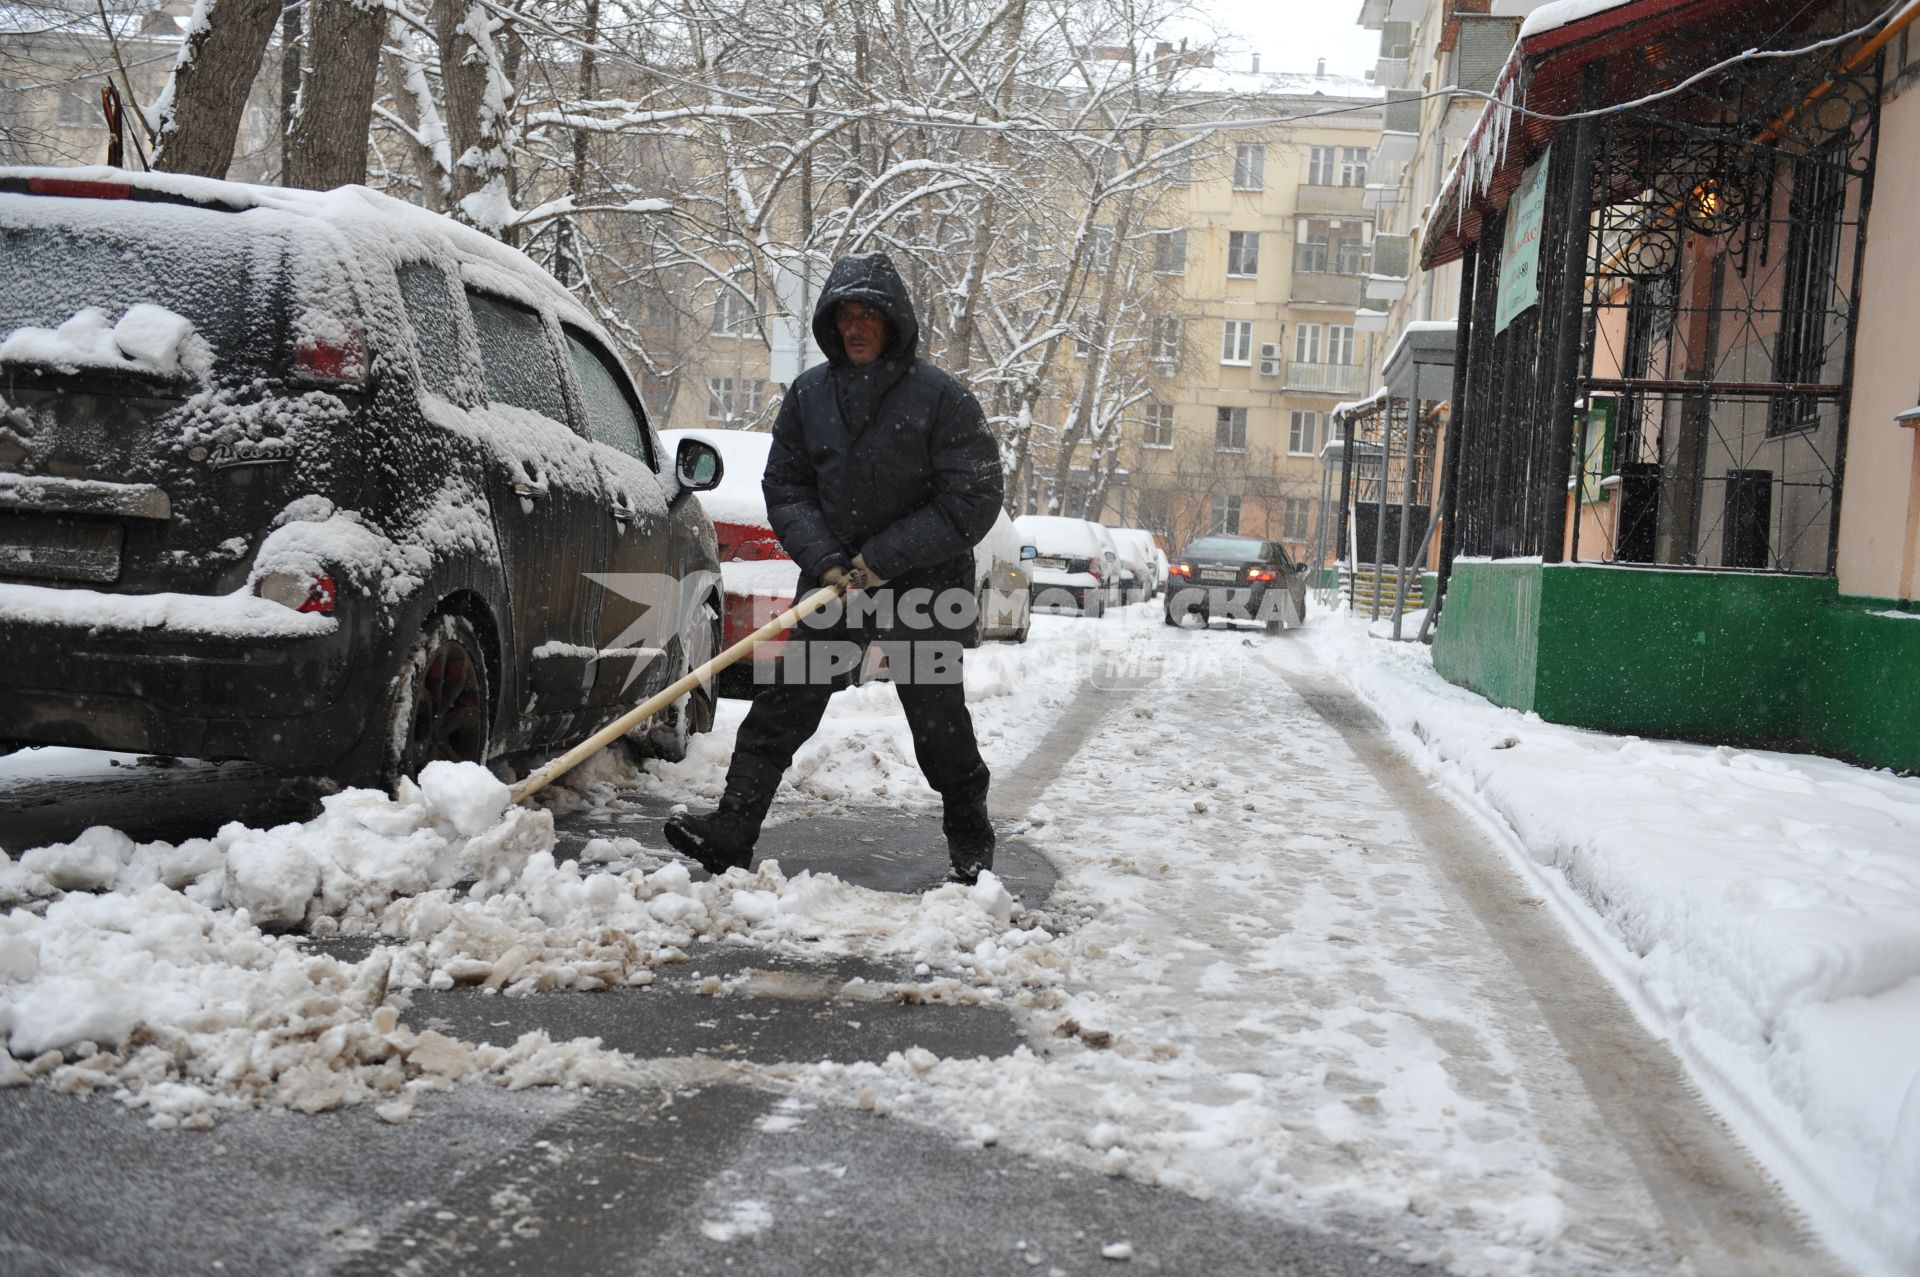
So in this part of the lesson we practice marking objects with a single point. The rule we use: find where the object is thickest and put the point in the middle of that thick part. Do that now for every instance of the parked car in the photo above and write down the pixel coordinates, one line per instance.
(1004, 582)
(324, 481)
(1237, 578)
(1142, 565)
(1076, 564)
(760, 581)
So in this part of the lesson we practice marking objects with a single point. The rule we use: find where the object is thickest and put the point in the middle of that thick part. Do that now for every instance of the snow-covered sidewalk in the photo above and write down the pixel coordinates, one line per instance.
(1761, 911)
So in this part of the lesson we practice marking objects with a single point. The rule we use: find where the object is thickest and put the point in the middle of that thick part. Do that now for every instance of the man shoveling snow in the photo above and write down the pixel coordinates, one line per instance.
(883, 473)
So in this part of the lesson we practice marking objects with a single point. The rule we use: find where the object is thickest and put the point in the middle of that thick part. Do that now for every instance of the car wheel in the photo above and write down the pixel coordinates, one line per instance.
(668, 736)
(1171, 618)
(438, 707)
(979, 633)
(1273, 624)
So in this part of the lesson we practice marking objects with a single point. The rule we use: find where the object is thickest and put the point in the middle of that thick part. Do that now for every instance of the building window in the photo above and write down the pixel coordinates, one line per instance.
(1225, 519)
(1310, 254)
(1353, 166)
(1170, 252)
(1180, 169)
(80, 106)
(735, 398)
(1243, 252)
(1236, 342)
(1806, 292)
(1293, 519)
(1099, 249)
(1230, 430)
(1166, 339)
(1306, 343)
(1340, 343)
(732, 315)
(1159, 426)
(1320, 163)
(1249, 167)
(1155, 511)
(1349, 256)
(1302, 430)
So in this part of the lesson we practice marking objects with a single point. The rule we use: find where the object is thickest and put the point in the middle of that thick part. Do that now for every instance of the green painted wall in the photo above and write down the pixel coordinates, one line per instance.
(1489, 639)
(1749, 657)
(1865, 702)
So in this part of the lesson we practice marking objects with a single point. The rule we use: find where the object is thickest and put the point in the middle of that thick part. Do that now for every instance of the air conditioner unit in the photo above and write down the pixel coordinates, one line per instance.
(1269, 359)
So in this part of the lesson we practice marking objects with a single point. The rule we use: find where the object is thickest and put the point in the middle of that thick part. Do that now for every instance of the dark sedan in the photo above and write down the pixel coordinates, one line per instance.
(1237, 579)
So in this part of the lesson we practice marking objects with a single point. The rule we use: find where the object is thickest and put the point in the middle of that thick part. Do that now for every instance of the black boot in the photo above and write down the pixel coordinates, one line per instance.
(718, 841)
(969, 831)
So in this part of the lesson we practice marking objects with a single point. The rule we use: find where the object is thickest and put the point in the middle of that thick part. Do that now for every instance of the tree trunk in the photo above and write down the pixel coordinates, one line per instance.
(328, 146)
(293, 50)
(469, 61)
(206, 98)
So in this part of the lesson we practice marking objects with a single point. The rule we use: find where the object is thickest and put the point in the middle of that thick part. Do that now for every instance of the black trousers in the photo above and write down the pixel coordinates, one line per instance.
(786, 713)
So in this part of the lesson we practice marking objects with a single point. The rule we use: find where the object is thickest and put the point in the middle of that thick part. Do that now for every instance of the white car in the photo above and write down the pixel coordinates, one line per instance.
(1075, 564)
(1141, 574)
(1003, 582)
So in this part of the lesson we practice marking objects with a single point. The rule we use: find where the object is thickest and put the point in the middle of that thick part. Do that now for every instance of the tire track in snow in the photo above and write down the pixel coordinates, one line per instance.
(1723, 1212)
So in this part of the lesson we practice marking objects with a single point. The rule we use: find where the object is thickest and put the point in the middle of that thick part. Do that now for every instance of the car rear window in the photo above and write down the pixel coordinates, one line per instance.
(216, 270)
(1224, 548)
(518, 360)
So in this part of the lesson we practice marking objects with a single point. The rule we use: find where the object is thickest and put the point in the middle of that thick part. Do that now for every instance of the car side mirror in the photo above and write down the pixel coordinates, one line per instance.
(1029, 552)
(696, 463)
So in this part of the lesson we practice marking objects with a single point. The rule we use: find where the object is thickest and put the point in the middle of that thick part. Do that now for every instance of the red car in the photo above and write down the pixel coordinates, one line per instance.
(758, 577)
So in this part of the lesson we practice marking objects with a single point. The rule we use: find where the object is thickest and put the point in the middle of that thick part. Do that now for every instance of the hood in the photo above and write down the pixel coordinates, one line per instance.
(869, 278)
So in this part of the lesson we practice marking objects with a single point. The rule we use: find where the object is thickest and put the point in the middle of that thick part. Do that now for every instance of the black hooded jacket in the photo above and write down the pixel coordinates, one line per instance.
(892, 460)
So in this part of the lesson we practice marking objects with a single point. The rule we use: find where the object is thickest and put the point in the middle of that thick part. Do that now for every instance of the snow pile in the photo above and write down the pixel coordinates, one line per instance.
(343, 867)
(1762, 911)
(182, 1009)
(146, 339)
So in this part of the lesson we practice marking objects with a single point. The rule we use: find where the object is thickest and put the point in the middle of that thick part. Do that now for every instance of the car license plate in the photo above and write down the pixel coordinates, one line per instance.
(1219, 574)
(55, 549)
(1058, 565)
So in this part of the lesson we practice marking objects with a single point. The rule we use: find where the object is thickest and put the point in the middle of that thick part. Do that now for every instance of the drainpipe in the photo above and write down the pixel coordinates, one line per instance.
(1406, 502)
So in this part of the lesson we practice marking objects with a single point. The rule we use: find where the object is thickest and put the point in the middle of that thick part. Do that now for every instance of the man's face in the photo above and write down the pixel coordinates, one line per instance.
(863, 331)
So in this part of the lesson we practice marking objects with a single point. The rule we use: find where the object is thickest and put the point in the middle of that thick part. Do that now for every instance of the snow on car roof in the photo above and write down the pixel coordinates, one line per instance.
(1052, 532)
(743, 457)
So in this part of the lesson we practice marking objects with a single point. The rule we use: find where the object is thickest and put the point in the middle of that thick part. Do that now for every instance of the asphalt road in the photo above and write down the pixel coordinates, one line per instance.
(697, 1173)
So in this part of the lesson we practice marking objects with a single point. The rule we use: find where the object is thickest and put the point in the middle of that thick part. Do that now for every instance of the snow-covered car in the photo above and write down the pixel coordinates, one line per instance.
(1237, 579)
(1140, 574)
(760, 580)
(1003, 583)
(1075, 563)
(324, 481)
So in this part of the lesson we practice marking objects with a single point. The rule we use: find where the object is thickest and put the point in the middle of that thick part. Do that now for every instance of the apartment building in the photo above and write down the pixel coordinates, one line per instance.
(1268, 247)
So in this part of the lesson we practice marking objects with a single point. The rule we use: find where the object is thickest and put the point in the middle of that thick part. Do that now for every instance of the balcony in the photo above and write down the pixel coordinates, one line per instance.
(1324, 288)
(1338, 201)
(1323, 379)
(1380, 195)
(1390, 73)
(1403, 111)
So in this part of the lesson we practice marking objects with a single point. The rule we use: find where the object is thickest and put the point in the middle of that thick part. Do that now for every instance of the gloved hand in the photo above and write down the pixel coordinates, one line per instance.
(871, 580)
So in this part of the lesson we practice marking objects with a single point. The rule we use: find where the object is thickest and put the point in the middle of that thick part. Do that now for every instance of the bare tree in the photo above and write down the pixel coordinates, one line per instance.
(327, 134)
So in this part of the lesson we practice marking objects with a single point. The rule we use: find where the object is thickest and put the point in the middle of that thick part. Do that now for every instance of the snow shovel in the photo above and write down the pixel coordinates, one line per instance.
(544, 776)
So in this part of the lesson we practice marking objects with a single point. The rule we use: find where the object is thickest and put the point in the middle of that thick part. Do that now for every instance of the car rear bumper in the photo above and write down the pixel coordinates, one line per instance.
(179, 674)
(1227, 602)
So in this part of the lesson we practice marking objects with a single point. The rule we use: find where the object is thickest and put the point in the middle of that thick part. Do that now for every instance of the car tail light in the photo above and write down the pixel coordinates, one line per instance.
(1259, 574)
(1093, 569)
(1180, 569)
(302, 593)
(73, 188)
(338, 361)
(759, 549)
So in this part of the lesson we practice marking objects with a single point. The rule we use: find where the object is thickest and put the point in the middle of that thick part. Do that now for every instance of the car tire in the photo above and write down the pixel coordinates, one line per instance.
(439, 705)
(669, 736)
(1273, 625)
(1171, 618)
(979, 632)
